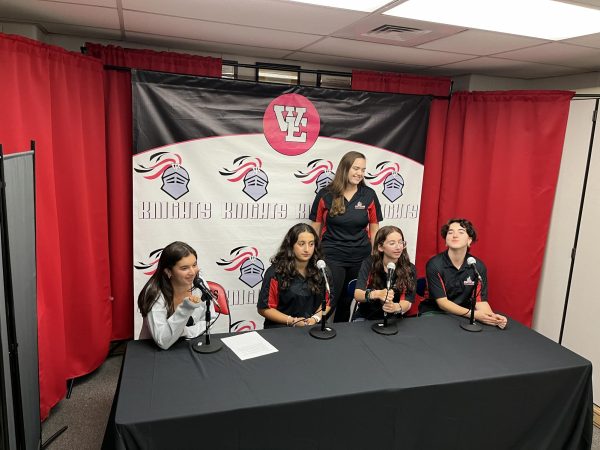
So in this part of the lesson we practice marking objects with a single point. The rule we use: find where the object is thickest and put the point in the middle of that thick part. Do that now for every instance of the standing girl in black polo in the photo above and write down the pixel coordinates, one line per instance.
(371, 294)
(346, 215)
(293, 287)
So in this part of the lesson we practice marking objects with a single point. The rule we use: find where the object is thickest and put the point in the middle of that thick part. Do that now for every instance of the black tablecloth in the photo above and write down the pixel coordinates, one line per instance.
(431, 386)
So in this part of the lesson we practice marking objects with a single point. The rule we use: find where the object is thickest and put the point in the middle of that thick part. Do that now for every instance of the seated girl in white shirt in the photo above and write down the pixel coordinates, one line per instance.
(166, 302)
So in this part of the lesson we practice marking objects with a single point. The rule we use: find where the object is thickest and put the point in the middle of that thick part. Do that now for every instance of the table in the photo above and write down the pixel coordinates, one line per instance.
(431, 386)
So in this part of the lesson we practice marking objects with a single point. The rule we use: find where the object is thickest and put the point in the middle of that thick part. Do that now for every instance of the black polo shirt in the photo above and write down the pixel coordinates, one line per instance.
(345, 238)
(296, 301)
(374, 310)
(445, 280)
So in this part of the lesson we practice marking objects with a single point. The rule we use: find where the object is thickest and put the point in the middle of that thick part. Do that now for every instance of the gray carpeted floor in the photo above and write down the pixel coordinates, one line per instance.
(86, 412)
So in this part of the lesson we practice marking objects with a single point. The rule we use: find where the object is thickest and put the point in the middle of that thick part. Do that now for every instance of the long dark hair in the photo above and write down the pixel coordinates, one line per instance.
(159, 282)
(403, 275)
(340, 180)
(284, 260)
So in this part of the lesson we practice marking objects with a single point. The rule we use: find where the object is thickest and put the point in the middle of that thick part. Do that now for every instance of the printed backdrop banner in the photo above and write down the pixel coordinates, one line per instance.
(229, 166)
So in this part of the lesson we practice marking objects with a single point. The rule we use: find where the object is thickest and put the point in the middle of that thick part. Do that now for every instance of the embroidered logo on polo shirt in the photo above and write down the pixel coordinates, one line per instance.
(468, 282)
(359, 205)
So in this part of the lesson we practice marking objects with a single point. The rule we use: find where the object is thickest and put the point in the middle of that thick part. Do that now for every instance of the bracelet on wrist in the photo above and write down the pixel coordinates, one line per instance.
(317, 318)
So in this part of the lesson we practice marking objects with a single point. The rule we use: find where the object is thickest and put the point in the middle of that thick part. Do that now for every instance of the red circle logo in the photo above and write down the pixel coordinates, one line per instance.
(291, 124)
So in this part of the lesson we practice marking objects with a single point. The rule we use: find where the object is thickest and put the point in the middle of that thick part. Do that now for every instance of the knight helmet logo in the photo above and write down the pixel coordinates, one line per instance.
(149, 266)
(246, 259)
(175, 178)
(250, 171)
(388, 173)
(318, 170)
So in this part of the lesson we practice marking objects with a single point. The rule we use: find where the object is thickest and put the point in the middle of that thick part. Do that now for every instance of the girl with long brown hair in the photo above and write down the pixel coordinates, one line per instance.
(371, 294)
(346, 215)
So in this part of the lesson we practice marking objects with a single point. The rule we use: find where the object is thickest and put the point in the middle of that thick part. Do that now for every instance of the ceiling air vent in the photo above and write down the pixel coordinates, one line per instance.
(395, 32)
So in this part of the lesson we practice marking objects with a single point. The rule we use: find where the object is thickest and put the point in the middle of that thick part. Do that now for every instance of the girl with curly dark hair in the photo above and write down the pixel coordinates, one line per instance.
(293, 287)
(371, 294)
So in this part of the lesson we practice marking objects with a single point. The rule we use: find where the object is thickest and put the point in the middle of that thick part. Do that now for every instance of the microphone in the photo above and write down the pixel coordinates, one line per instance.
(472, 326)
(472, 262)
(207, 346)
(383, 327)
(391, 267)
(323, 332)
(200, 284)
(321, 265)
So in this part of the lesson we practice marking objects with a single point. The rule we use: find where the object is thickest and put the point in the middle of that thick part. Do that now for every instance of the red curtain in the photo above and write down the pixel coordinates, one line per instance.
(400, 83)
(492, 157)
(55, 98)
(117, 87)
(500, 163)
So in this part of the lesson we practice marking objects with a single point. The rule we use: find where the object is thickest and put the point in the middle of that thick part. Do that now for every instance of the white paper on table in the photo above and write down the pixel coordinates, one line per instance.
(249, 345)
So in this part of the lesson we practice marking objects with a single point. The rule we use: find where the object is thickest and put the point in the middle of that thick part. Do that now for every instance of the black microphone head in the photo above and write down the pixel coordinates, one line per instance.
(391, 266)
(471, 261)
(198, 282)
(321, 264)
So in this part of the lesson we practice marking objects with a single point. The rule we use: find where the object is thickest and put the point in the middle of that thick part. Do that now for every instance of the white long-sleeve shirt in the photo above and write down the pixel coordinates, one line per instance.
(165, 331)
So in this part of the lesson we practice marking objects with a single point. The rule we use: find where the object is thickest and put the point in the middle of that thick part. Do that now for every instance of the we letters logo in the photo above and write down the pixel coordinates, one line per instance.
(291, 124)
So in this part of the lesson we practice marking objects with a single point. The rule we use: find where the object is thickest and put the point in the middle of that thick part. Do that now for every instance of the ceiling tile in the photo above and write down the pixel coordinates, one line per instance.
(276, 15)
(591, 40)
(385, 53)
(105, 3)
(44, 11)
(352, 63)
(509, 68)
(558, 54)
(206, 47)
(77, 30)
(482, 43)
(215, 32)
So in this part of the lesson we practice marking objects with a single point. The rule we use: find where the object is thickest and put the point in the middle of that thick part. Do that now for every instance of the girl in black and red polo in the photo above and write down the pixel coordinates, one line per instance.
(346, 214)
(293, 287)
(371, 294)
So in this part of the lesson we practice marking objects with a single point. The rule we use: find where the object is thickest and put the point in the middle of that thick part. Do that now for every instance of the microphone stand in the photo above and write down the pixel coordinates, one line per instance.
(207, 346)
(322, 331)
(472, 325)
(383, 327)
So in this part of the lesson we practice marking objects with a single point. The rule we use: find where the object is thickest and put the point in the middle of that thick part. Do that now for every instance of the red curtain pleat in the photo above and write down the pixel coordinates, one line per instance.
(429, 222)
(400, 83)
(55, 98)
(117, 86)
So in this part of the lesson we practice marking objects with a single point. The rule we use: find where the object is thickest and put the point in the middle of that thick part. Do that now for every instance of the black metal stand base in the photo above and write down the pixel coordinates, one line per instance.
(471, 327)
(325, 333)
(388, 330)
(201, 347)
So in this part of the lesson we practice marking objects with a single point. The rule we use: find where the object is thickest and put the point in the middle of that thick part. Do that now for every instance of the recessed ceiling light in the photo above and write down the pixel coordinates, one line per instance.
(362, 5)
(545, 19)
